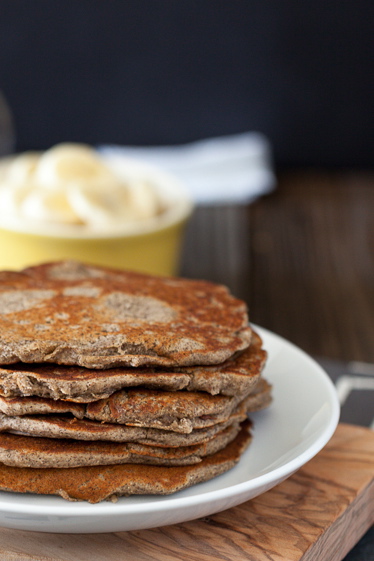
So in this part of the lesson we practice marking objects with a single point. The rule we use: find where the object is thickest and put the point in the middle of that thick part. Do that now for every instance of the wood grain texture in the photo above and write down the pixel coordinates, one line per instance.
(318, 513)
(312, 262)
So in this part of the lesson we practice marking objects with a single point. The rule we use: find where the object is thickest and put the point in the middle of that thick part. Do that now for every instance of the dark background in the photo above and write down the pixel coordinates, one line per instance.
(169, 71)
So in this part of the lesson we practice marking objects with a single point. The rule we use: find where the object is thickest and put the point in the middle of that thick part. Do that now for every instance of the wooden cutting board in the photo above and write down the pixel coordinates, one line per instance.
(318, 513)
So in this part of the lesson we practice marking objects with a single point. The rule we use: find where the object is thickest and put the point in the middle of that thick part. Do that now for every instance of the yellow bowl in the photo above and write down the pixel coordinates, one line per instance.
(151, 247)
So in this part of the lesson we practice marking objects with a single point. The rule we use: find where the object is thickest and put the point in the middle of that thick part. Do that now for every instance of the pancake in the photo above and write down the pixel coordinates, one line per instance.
(16, 406)
(35, 452)
(75, 314)
(180, 412)
(236, 375)
(173, 411)
(177, 411)
(98, 483)
(138, 407)
(54, 426)
(260, 398)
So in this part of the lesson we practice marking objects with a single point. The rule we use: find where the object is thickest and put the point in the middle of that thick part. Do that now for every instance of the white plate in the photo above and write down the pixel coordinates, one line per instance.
(300, 421)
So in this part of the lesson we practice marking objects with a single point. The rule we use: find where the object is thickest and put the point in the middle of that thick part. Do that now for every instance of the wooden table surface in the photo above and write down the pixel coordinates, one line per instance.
(301, 257)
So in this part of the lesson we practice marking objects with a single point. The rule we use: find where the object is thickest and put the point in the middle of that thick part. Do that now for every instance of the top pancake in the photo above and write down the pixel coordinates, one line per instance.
(75, 314)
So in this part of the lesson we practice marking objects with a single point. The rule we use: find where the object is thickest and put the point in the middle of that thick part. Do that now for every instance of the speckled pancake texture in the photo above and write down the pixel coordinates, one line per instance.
(115, 383)
(237, 375)
(98, 483)
(70, 313)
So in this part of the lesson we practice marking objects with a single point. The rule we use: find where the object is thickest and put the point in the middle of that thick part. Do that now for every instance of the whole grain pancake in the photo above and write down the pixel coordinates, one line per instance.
(236, 375)
(16, 406)
(260, 398)
(55, 426)
(98, 483)
(138, 408)
(36, 452)
(76, 314)
(175, 411)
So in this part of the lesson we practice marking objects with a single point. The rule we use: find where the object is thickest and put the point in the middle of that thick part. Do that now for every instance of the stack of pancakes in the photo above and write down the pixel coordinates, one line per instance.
(115, 383)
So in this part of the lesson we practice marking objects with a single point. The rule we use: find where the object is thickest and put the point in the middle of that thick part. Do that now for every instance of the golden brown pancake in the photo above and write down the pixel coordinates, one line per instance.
(236, 375)
(98, 483)
(55, 426)
(28, 451)
(75, 314)
(180, 411)
(177, 411)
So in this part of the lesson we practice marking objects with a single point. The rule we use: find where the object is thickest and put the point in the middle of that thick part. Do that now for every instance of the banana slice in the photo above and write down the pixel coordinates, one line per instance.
(11, 197)
(71, 162)
(143, 201)
(96, 204)
(21, 170)
(48, 206)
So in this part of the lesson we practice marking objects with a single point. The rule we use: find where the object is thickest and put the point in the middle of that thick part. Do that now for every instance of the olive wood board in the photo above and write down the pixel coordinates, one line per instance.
(320, 512)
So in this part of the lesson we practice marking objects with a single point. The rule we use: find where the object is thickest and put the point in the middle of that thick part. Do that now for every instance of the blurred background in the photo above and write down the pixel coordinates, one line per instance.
(147, 73)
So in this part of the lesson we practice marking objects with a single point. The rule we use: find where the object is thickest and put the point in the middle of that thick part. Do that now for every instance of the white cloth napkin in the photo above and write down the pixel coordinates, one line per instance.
(233, 169)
